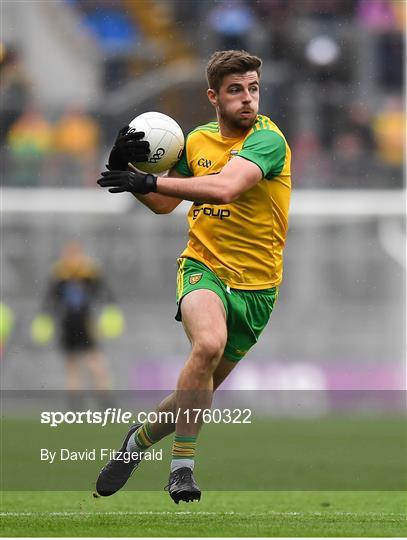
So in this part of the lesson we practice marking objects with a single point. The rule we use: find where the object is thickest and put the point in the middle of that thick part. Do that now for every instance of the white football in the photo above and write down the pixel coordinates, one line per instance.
(166, 141)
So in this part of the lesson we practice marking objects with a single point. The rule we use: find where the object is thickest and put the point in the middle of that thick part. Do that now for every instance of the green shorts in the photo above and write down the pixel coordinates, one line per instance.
(247, 312)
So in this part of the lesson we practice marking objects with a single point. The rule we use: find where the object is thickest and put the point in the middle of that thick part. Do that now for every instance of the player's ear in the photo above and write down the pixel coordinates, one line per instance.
(212, 96)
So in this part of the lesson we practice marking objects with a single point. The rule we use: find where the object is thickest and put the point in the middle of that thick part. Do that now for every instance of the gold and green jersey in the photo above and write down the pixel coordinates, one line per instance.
(242, 242)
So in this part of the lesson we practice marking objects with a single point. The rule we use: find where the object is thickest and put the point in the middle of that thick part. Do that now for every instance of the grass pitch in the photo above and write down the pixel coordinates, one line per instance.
(311, 454)
(238, 514)
(331, 477)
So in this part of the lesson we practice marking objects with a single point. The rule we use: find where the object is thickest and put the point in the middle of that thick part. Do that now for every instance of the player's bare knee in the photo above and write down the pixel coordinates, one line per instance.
(209, 349)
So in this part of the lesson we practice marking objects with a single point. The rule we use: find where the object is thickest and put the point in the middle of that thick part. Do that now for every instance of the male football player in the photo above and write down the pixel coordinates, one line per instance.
(236, 172)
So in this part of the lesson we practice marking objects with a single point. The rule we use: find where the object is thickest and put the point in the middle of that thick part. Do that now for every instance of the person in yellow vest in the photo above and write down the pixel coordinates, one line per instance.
(76, 144)
(75, 287)
(236, 173)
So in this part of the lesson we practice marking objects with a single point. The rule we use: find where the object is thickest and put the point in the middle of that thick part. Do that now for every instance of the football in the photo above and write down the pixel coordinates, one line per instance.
(166, 141)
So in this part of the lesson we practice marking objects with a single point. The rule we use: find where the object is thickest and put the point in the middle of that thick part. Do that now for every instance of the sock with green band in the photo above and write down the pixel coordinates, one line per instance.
(183, 452)
(143, 437)
(141, 440)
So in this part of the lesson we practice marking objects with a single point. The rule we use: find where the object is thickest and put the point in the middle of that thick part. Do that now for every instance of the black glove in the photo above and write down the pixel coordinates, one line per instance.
(128, 148)
(134, 182)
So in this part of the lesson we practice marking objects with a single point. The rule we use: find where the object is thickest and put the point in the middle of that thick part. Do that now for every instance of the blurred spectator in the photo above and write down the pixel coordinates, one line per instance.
(310, 168)
(319, 57)
(30, 141)
(351, 162)
(390, 49)
(276, 15)
(76, 141)
(14, 89)
(353, 167)
(323, 10)
(399, 13)
(232, 21)
(384, 19)
(359, 123)
(369, 150)
(389, 129)
(115, 33)
(75, 286)
(376, 14)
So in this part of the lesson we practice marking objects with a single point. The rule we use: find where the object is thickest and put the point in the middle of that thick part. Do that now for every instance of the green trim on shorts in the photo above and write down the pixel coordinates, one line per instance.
(247, 312)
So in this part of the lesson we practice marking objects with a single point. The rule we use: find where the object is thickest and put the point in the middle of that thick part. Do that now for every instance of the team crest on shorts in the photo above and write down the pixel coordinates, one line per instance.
(195, 278)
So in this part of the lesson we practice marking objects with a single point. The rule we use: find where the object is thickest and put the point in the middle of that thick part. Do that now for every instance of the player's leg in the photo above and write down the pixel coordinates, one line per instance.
(194, 278)
(248, 313)
(191, 278)
(73, 379)
(73, 371)
(160, 429)
(111, 481)
(204, 319)
(224, 368)
(95, 363)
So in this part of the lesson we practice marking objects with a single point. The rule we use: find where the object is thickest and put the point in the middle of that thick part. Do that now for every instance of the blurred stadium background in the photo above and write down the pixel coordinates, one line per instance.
(74, 71)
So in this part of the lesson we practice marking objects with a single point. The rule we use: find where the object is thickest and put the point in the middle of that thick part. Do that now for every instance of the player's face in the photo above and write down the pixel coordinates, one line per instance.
(237, 101)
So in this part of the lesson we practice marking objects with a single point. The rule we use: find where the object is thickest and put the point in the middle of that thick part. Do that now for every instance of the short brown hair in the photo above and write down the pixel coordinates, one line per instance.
(223, 63)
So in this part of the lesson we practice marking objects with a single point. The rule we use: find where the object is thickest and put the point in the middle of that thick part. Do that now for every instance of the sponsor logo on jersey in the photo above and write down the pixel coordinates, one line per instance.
(202, 162)
(195, 278)
(220, 213)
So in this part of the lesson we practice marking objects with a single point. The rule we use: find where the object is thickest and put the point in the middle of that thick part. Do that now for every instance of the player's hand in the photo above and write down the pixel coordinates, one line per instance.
(128, 148)
(134, 182)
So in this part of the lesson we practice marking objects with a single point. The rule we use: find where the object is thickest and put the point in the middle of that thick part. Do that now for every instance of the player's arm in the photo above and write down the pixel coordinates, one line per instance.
(159, 203)
(263, 154)
(236, 177)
